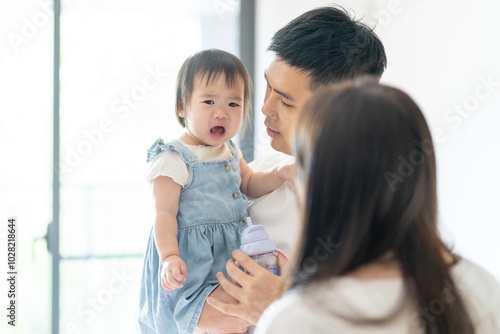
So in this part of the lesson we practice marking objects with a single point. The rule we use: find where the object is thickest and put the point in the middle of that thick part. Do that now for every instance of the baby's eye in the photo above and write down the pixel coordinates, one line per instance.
(233, 104)
(209, 102)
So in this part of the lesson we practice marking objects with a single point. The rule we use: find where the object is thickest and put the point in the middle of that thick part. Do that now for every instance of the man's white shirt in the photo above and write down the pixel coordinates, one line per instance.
(277, 211)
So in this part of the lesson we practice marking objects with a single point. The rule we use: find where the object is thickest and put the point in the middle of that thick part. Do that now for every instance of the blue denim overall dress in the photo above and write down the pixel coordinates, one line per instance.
(212, 214)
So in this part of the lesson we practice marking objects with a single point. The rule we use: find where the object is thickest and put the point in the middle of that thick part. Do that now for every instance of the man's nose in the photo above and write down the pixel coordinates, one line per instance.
(269, 107)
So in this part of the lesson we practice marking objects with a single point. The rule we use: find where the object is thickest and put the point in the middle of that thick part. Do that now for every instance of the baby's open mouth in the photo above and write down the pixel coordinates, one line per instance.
(218, 130)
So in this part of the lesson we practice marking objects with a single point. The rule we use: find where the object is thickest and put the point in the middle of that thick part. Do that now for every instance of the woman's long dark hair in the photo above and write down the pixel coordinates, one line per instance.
(366, 160)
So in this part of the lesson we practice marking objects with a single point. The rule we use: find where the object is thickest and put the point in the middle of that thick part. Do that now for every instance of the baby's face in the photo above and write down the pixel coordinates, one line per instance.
(215, 111)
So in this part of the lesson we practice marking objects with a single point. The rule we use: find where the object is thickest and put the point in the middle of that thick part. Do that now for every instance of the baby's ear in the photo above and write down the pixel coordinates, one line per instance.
(180, 109)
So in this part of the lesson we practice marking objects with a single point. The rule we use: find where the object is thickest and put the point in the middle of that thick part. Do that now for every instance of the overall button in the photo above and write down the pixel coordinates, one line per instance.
(227, 168)
(235, 195)
(241, 222)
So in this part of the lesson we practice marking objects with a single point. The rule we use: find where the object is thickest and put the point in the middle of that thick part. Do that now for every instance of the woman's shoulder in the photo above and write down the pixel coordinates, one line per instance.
(480, 292)
(282, 315)
(338, 303)
(471, 276)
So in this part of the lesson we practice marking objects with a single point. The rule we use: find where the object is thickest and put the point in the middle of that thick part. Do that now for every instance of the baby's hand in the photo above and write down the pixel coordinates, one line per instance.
(286, 173)
(173, 271)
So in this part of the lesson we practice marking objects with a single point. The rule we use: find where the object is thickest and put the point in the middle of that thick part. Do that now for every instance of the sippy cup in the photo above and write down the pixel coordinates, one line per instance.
(255, 242)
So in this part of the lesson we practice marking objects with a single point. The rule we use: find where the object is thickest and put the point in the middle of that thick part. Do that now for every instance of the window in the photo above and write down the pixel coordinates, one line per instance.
(118, 63)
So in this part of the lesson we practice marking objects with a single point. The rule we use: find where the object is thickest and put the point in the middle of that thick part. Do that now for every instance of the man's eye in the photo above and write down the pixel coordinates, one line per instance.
(286, 104)
(233, 104)
(209, 102)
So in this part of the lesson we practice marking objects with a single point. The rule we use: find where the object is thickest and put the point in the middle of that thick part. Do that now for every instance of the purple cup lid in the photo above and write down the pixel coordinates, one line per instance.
(255, 240)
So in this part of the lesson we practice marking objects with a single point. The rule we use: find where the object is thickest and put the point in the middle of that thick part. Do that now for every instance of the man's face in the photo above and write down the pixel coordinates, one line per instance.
(286, 93)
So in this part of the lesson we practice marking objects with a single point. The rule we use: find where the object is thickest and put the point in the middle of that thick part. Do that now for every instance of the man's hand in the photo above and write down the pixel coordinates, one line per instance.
(213, 321)
(254, 293)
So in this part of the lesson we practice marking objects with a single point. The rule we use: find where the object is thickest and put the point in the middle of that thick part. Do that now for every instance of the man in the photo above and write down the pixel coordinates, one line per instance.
(321, 47)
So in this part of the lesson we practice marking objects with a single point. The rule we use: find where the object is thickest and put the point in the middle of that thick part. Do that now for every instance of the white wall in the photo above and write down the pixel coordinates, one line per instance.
(442, 53)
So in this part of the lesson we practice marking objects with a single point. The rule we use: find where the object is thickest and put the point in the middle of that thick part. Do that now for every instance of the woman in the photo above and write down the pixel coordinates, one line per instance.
(371, 259)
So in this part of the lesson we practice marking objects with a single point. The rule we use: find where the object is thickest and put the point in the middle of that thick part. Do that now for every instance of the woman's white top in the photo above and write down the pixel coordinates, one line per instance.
(354, 305)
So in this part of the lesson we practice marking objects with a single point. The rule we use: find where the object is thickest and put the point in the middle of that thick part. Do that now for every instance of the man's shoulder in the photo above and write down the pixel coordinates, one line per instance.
(270, 161)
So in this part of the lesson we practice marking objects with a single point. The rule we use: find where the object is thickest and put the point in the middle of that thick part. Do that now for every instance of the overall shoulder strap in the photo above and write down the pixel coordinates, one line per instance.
(232, 147)
(159, 146)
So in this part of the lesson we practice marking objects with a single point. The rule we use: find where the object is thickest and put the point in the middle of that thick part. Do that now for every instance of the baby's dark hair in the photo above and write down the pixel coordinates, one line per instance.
(330, 45)
(210, 64)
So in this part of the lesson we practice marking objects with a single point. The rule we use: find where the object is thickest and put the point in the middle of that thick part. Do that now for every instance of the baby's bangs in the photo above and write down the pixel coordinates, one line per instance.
(231, 74)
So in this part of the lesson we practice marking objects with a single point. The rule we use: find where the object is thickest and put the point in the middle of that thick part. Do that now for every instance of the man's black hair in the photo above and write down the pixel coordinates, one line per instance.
(331, 45)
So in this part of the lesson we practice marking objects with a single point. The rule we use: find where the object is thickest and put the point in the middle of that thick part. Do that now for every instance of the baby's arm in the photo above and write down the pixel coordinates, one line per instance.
(166, 193)
(256, 184)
